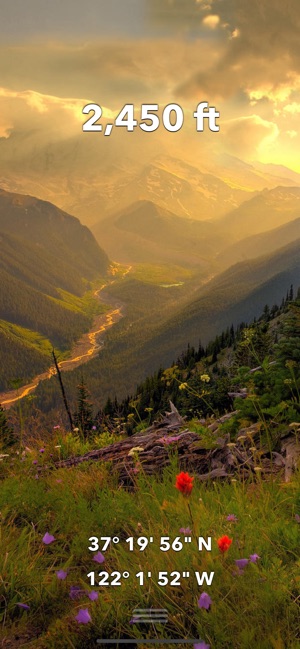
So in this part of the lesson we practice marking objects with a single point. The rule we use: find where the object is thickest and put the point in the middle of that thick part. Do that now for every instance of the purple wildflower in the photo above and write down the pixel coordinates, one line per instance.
(93, 595)
(42, 450)
(185, 530)
(232, 518)
(204, 601)
(169, 440)
(34, 462)
(253, 558)
(241, 563)
(24, 606)
(83, 616)
(99, 558)
(94, 427)
(61, 574)
(201, 645)
(75, 592)
(48, 538)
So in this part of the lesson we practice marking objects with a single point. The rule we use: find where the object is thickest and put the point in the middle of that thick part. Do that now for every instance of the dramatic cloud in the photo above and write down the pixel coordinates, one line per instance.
(262, 54)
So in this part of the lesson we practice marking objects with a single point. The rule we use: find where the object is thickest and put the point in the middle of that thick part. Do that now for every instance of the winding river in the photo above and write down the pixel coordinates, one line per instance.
(86, 348)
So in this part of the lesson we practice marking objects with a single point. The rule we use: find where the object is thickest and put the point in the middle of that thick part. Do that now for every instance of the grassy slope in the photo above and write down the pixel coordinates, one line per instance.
(258, 608)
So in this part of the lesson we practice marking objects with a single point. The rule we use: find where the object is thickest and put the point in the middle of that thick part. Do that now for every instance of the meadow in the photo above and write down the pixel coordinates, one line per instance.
(48, 516)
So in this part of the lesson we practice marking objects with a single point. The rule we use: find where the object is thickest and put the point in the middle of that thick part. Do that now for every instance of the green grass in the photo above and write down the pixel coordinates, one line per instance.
(259, 608)
(159, 274)
(27, 337)
(87, 304)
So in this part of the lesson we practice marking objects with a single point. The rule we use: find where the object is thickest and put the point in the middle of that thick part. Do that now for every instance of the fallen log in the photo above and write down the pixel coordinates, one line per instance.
(150, 451)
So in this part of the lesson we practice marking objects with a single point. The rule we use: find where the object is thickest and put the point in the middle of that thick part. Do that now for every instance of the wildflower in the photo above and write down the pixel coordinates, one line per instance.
(241, 563)
(224, 543)
(61, 574)
(232, 518)
(183, 386)
(94, 427)
(83, 616)
(36, 476)
(75, 592)
(42, 450)
(75, 430)
(205, 378)
(135, 449)
(253, 558)
(184, 483)
(297, 518)
(169, 440)
(201, 645)
(185, 530)
(99, 558)
(24, 606)
(204, 601)
(56, 427)
(48, 538)
(58, 480)
(93, 595)
(34, 462)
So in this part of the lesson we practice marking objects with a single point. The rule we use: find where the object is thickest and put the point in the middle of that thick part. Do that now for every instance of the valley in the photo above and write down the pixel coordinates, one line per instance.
(84, 350)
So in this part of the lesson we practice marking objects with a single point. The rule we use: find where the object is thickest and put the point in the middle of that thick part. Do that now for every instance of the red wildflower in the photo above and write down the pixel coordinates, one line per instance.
(224, 543)
(184, 482)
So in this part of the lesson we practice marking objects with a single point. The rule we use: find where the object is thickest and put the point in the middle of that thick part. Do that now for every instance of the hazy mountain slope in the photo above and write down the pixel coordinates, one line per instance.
(239, 293)
(145, 232)
(269, 209)
(45, 254)
(253, 176)
(57, 237)
(260, 244)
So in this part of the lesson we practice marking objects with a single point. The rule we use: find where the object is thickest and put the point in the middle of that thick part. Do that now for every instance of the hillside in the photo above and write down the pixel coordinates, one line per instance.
(48, 263)
(238, 294)
(145, 232)
(260, 244)
(267, 210)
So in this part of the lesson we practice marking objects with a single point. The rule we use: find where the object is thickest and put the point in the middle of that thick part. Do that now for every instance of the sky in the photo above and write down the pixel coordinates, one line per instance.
(243, 57)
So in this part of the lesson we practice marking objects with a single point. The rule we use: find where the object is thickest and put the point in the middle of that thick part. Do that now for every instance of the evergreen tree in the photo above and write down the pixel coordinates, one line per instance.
(83, 417)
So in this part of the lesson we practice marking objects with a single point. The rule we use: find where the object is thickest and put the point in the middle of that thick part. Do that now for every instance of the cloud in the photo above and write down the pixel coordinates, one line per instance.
(211, 21)
(261, 54)
(248, 136)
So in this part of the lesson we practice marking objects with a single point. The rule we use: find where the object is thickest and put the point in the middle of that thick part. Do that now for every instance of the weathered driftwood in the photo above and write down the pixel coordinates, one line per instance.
(151, 450)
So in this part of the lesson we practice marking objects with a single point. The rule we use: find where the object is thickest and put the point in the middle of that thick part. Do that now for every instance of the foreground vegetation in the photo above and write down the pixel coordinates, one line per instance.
(252, 605)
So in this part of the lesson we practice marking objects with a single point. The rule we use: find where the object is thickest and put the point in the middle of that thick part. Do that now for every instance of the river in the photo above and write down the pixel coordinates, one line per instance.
(86, 348)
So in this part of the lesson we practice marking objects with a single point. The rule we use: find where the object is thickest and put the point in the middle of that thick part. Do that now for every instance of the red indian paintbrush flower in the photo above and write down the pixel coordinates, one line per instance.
(224, 543)
(184, 483)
